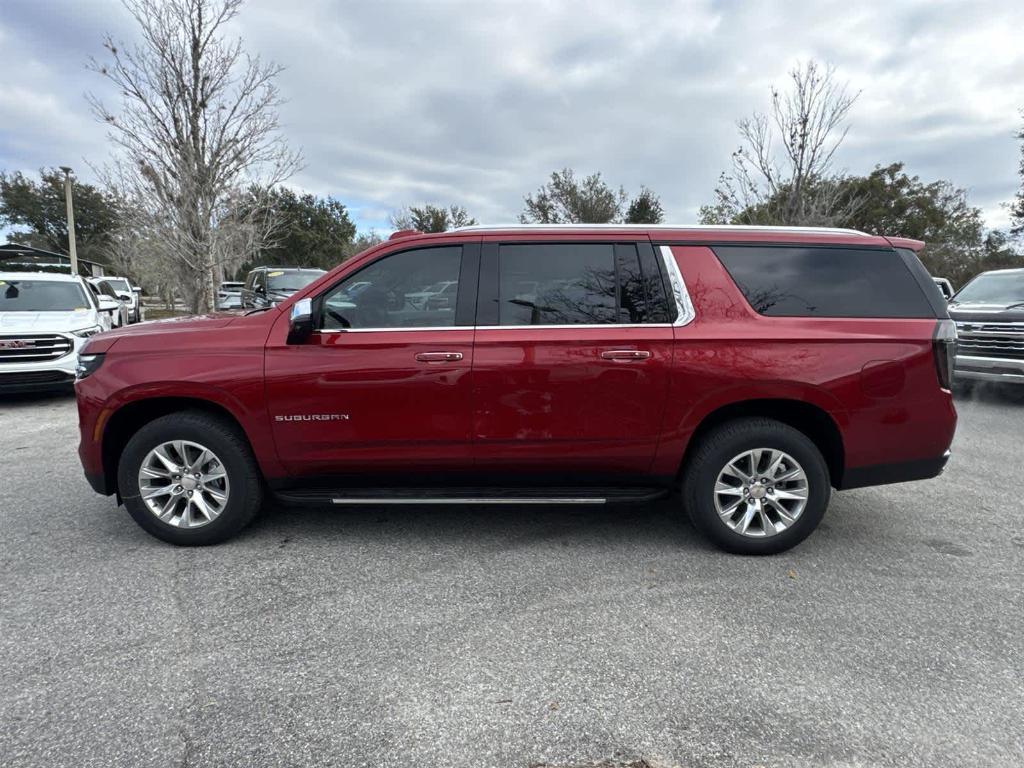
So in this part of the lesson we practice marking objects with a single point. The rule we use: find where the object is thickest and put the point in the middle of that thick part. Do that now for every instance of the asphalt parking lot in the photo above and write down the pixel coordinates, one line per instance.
(513, 637)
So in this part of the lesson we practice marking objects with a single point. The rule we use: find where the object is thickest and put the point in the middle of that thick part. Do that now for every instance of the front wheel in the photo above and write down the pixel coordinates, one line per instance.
(756, 486)
(190, 479)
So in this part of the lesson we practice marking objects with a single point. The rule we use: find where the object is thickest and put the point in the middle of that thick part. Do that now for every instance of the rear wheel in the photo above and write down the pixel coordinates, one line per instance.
(756, 486)
(190, 479)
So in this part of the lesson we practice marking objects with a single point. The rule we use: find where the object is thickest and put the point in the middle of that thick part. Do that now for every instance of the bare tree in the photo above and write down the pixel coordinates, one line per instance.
(197, 123)
(783, 171)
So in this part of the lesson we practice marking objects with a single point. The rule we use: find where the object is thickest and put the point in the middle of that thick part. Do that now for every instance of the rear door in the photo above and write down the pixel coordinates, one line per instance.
(572, 359)
(382, 385)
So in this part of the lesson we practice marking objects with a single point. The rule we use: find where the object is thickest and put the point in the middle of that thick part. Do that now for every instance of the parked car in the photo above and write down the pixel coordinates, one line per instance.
(266, 286)
(989, 316)
(751, 370)
(945, 287)
(229, 295)
(115, 307)
(45, 319)
(126, 292)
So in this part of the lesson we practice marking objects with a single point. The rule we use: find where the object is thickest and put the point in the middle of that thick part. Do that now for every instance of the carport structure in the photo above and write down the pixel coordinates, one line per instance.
(15, 257)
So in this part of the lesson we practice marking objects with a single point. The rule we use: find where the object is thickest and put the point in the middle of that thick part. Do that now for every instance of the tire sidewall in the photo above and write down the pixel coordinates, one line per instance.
(243, 485)
(699, 493)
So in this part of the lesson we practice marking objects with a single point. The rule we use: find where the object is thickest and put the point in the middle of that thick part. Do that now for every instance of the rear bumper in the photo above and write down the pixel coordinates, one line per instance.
(989, 369)
(902, 472)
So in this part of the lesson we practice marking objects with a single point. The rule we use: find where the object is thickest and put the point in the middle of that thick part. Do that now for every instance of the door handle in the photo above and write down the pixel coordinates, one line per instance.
(626, 354)
(438, 357)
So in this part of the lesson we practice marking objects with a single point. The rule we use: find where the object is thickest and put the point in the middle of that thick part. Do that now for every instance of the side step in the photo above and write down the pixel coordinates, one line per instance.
(380, 496)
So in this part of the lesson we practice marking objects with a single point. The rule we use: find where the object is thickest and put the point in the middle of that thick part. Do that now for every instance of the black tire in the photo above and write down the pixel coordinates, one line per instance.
(717, 448)
(232, 448)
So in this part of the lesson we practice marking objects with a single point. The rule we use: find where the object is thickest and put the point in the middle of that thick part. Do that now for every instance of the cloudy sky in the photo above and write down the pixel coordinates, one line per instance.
(476, 102)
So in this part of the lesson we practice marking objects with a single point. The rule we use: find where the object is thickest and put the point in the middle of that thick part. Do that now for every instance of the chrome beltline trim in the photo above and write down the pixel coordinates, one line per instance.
(682, 297)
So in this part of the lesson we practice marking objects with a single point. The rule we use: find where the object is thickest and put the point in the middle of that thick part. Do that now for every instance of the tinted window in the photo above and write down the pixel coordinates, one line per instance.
(556, 284)
(825, 282)
(642, 294)
(405, 290)
(41, 296)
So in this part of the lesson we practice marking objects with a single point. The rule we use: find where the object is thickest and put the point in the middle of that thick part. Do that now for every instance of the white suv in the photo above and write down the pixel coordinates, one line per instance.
(45, 319)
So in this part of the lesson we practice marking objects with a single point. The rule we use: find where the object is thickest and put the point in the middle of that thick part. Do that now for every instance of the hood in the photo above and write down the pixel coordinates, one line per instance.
(186, 324)
(46, 322)
(984, 312)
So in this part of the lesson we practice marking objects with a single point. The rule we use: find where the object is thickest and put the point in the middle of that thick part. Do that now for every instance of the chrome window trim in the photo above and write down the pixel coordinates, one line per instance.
(493, 327)
(685, 312)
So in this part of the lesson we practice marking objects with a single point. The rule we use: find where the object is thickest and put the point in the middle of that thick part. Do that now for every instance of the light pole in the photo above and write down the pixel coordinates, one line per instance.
(71, 220)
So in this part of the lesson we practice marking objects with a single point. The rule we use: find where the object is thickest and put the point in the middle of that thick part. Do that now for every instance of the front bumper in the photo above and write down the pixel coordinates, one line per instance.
(30, 376)
(999, 369)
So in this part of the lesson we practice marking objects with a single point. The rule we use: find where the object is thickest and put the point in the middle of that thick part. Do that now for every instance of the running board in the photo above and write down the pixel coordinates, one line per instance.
(392, 496)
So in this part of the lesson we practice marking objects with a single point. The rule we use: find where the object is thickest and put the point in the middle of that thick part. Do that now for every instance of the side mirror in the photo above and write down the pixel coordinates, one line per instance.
(124, 296)
(300, 324)
(108, 304)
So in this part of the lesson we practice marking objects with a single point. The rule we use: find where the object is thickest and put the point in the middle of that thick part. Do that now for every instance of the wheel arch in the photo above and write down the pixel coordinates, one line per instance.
(132, 416)
(810, 419)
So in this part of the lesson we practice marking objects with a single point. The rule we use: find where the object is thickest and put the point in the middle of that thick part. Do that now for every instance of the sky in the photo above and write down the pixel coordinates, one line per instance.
(476, 103)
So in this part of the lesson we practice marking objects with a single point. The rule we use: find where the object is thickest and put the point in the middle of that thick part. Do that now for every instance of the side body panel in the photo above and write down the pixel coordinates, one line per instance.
(874, 377)
(219, 360)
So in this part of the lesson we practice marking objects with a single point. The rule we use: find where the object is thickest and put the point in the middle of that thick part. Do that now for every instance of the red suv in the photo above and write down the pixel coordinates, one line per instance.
(750, 369)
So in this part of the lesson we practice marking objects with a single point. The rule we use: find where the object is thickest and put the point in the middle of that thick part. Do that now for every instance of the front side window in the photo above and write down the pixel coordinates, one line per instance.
(411, 289)
(41, 296)
(118, 285)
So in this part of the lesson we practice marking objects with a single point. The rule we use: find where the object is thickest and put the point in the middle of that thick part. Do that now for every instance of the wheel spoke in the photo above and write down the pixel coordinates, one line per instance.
(731, 509)
(200, 504)
(167, 511)
(748, 516)
(794, 494)
(775, 460)
(782, 512)
(204, 457)
(766, 523)
(731, 490)
(153, 493)
(160, 453)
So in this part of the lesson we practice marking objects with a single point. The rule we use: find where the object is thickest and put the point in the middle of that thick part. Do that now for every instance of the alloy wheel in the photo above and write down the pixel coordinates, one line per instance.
(761, 492)
(183, 484)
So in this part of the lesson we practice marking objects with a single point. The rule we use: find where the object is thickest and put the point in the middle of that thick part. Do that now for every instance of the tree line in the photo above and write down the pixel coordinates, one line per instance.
(195, 190)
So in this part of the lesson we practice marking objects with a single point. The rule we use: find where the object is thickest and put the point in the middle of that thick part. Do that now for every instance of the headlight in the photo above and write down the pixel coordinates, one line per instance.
(87, 365)
(85, 333)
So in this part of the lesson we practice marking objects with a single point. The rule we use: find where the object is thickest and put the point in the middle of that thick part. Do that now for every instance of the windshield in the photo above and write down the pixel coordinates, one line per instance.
(41, 296)
(993, 288)
(120, 286)
(291, 281)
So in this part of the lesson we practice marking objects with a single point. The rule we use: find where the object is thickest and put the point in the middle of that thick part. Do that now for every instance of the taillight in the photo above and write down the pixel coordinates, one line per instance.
(944, 349)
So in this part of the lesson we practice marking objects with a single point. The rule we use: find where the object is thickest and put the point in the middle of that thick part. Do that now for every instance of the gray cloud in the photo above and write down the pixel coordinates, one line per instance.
(475, 103)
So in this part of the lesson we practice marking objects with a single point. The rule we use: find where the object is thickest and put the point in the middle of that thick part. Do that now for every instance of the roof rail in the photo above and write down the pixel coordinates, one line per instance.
(398, 234)
(708, 227)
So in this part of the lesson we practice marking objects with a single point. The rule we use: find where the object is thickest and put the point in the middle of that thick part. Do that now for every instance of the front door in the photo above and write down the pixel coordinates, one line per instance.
(383, 384)
(572, 359)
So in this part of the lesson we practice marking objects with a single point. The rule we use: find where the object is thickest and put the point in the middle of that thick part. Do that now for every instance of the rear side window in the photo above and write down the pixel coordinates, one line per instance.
(574, 284)
(825, 282)
(556, 284)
